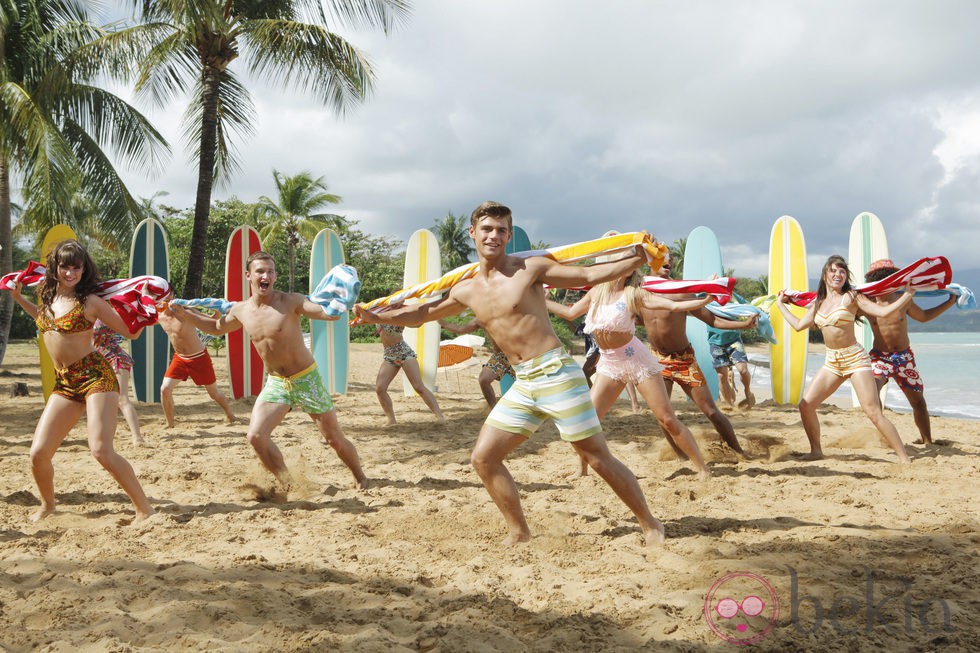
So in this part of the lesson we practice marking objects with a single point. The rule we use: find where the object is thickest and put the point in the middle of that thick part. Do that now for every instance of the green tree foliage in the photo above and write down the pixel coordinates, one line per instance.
(455, 244)
(56, 125)
(187, 47)
(677, 258)
(226, 216)
(292, 217)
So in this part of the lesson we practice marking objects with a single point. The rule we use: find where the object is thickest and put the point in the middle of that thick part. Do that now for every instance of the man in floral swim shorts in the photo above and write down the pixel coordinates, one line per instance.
(891, 353)
(667, 333)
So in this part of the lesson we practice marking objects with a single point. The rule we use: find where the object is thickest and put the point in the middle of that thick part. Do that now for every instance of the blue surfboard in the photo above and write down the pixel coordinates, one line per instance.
(329, 340)
(149, 254)
(702, 260)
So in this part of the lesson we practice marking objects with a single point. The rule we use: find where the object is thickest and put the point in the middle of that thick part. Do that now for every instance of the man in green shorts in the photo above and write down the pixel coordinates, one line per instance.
(507, 298)
(272, 319)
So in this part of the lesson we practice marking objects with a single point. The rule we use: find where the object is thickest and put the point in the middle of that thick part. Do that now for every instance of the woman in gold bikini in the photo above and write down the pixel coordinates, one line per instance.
(833, 312)
(84, 381)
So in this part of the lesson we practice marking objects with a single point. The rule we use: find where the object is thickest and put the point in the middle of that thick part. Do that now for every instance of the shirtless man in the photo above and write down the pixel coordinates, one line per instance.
(666, 332)
(272, 319)
(191, 359)
(507, 298)
(891, 355)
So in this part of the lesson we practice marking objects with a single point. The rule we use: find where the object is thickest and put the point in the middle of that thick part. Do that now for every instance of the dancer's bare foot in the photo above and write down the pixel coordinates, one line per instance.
(138, 441)
(143, 515)
(388, 424)
(704, 474)
(362, 483)
(42, 512)
(922, 440)
(813, 455)
(655, 535)
(230, 419)
(517, 538)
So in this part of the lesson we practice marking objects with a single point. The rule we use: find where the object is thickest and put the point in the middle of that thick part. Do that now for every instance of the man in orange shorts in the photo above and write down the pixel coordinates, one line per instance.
(667, 334)
(191, 360)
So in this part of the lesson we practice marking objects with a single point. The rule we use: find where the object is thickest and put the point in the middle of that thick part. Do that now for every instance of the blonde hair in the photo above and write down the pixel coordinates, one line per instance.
(602, 294)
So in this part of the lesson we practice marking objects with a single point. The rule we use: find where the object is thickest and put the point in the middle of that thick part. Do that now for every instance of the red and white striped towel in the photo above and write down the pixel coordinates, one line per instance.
(721, 288)
(929, 273)
(134, 299)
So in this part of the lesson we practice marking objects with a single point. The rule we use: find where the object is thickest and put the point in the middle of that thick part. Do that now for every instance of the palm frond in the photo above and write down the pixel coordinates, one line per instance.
(115, 124)
(235, 113)
(319, 62)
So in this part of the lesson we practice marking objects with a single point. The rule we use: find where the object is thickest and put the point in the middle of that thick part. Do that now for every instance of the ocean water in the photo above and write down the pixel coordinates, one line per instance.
(949, 364)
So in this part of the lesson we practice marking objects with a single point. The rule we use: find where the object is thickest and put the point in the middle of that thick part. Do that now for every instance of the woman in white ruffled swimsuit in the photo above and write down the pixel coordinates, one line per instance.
(610, 309)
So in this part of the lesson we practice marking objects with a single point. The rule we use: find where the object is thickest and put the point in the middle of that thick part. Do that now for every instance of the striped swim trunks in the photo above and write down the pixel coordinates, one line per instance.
(845, 362)
(551, 385)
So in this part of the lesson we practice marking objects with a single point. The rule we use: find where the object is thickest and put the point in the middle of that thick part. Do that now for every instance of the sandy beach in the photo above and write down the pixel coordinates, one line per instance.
(854, 552)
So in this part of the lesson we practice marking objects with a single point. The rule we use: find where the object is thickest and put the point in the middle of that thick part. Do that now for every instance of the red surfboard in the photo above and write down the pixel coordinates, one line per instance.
(244, 365)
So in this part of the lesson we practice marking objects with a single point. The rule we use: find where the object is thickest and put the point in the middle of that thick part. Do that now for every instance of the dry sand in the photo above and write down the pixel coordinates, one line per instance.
(887, 555)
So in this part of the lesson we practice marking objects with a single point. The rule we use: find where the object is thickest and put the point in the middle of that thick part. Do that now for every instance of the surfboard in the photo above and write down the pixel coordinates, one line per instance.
(329, 340)
(519, 242)
(422, 263)
(149, 254)
(702, 260)
(867, 244)
(787, 270)
(245, 368)
(55, 235)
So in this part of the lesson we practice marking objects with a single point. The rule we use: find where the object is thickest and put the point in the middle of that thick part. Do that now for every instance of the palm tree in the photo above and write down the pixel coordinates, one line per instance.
(292, 215)
(181, 44)
(454, 240)
(677, 258)
(55, 126)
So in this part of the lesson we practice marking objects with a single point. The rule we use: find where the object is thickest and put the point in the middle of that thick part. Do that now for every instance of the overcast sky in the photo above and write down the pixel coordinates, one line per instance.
(584, 116)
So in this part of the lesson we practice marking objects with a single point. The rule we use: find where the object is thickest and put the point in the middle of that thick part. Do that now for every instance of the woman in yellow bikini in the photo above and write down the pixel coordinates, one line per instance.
(833, 312)
(84, 381)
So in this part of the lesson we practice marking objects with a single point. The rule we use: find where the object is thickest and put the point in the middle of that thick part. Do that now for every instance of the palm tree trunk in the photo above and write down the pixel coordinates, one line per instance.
(6, 255)
(205, 184)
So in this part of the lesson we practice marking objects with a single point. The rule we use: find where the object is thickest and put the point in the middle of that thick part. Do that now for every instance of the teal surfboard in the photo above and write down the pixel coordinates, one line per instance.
(519, 242)
(702, 260)
(329, 340)
(149, 254)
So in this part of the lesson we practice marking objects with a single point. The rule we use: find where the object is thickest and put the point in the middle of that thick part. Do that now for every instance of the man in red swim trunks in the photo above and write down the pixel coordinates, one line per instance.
(191, 360)
(891, 353)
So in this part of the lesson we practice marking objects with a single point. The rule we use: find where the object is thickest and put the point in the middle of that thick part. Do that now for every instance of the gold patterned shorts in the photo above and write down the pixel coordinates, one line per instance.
(87, 376)
(499, 365)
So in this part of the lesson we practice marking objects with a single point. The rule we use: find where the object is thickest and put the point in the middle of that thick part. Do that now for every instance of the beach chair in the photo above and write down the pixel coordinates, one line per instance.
(450, 357)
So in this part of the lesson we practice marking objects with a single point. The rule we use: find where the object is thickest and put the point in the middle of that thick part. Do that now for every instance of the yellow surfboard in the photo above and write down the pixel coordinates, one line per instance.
(787, 270)
(55, 235)
(422, 263)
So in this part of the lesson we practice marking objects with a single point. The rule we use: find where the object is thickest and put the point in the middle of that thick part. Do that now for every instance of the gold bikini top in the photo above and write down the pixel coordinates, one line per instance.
(837, 317)
(74, 321)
